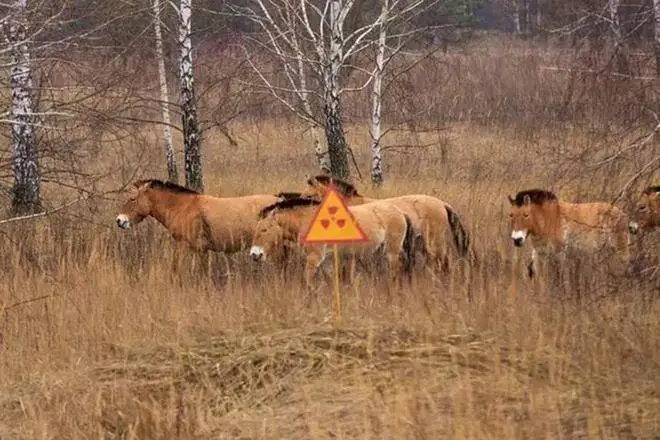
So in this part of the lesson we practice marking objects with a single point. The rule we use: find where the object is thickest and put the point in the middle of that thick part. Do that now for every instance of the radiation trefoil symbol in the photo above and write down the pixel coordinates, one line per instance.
(333, 222)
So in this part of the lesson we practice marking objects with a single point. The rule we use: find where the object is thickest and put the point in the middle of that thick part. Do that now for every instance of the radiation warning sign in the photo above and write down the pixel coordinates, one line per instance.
(333, 222)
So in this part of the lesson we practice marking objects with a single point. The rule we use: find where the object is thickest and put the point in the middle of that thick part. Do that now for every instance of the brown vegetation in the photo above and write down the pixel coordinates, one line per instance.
(100, 339)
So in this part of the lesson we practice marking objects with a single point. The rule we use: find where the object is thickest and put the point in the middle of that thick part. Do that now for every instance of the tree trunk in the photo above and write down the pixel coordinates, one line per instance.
(172, 172)
(656, 35)
(334, 131)
(322, 156)
(25, 157)
(191, 131)
(376, 104)
(621, 59)
(516, 19)
(337, 148)
(522, 17)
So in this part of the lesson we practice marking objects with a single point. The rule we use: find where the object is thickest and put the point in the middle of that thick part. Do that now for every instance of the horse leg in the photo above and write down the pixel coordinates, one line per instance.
(352, 269)
(622, 248)
(531, 266)
(314, 261)
(395, 267)
(564, 270)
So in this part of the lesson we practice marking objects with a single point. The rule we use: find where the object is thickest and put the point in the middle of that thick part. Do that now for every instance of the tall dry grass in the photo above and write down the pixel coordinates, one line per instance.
(100, 339)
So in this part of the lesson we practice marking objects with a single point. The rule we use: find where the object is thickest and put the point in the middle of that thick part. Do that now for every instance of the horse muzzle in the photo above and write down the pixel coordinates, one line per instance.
(123, 221)
(633, 227)
(518, 238)
(257, 253)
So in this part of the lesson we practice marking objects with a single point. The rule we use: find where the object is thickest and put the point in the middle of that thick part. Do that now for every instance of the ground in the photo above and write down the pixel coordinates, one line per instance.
(101, 339)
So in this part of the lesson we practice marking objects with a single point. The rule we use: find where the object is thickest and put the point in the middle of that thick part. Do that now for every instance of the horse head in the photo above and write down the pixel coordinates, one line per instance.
(647, 212)
(526, 213)
(268, 239)
(315, 188)
(136, 207)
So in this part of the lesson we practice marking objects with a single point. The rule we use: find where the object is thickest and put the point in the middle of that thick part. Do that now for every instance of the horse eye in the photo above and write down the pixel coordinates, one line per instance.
(526, 215)
(642, 208)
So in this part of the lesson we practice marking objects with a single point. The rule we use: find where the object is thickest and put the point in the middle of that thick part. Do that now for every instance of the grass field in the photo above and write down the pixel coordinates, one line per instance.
(101, 340)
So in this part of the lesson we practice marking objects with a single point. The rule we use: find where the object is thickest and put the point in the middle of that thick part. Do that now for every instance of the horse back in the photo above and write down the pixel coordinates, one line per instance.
(595, 224)
(231, 221)
(380, 220)
(425, 212)
(595, 215)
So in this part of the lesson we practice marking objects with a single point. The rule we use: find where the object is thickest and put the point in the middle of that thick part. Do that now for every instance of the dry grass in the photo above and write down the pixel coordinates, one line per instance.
(101, 340)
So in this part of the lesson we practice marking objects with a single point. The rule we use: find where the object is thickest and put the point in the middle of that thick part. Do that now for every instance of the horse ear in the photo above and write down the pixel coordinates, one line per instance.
(141, 184)
(511, 199)
(527, 200)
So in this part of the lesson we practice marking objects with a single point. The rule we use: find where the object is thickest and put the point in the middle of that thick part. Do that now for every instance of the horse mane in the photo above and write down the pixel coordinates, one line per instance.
(652, 189)
(346, 188)
(286, 195)
(288, 204)
(166, 186)
(536, 196)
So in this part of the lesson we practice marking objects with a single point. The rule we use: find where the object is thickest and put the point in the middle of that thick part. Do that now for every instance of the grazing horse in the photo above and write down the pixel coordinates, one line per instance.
(647, 212)
(431, 217)
(283, 224)
(552, 225)
(202, 222)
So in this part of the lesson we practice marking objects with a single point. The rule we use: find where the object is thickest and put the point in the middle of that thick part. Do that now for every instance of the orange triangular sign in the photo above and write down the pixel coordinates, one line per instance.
(333, 222)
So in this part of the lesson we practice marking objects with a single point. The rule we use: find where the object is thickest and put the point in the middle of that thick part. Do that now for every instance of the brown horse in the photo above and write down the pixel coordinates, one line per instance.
(552, 225)
(647, 211)
(282, 225)
(431, 218)
(202, 222)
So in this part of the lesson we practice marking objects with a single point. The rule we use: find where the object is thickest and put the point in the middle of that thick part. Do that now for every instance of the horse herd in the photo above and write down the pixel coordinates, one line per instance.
(270, 227)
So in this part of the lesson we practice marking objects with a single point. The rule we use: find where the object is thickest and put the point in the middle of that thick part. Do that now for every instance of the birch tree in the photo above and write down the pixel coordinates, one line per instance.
(619, 49)
(191, 128)
(656, 35)
(377, 99)
(312, 40)
(24, 151)
(172, 172)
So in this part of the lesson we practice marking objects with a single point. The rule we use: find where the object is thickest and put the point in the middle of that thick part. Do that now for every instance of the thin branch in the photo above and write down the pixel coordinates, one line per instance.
(43, 213)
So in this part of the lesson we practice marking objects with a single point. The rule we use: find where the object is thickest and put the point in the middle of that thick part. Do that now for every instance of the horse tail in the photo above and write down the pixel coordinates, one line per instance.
(460, 235)
(408, 246)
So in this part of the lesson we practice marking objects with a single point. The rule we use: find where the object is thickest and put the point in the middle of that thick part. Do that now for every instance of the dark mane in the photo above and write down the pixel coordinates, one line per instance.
(536, 196)
(288, 204)
(288, 195)
(652, 189)
(347, 189)
(166, 186)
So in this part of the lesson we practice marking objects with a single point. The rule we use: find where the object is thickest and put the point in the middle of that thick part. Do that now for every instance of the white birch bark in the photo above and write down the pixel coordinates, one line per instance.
(172, 172)
(620, 55)
(516, 21)
(25, 160)
(528, 18)
(656, 35)
(322, 156)
(376, 100)
(613, 6)
(191, 132)
(517, 28)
